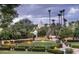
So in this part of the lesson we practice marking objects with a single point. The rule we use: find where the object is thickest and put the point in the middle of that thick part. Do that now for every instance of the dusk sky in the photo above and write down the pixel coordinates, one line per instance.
(39, 12)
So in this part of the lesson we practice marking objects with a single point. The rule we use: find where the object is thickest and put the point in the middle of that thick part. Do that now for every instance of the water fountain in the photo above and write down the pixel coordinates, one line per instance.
(64, 47)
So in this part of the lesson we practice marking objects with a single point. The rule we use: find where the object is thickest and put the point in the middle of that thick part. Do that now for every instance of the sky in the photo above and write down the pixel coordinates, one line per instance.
(38, 13)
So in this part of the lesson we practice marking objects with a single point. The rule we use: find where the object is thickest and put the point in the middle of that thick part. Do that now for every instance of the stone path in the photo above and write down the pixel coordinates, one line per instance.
(76, 51)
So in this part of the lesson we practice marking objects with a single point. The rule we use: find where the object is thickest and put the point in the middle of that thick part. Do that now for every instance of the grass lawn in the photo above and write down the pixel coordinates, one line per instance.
(39, 43)
(22, 52)
(74, 43)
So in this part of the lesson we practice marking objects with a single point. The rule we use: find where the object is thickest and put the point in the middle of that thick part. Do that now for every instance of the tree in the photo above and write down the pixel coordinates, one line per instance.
(66, 32)
(42, 31)
(24, 26)
(76, 33)
(8, 12)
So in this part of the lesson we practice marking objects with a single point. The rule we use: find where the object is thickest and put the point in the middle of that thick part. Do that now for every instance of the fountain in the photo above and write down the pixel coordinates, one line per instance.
(64, 47)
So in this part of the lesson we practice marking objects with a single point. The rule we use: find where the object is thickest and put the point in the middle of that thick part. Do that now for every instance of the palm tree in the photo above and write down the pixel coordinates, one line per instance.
(49, 16)
(53, 27)
(49, 29)
(65, 20)
(59, 15)
(53, 22)
(62, 15)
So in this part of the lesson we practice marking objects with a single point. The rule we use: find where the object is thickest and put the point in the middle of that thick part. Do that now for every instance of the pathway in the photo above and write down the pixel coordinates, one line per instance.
(76, 51)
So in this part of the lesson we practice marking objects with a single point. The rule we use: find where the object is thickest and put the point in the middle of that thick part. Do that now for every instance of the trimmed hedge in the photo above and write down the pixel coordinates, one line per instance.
(58, 46)
(23, 47)
(8, 46)
(38, 49)
(75, 46)
(72, 40)
(19, 48)
(55, 51)
(4, 48)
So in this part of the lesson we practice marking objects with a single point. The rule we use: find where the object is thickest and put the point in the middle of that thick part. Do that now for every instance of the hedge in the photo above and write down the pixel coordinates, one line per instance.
(75, 46)
(38, 49)
(72, 40)
(4, 48)
(55, 51)
(19, 48)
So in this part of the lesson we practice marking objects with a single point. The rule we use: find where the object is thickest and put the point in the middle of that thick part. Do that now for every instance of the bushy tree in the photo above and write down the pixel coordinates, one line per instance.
(66, 32)
(76, 32)
(24, 26)
(42, 31)
(8, 12)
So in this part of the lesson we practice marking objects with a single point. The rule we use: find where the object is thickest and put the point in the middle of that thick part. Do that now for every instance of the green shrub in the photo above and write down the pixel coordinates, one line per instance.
(4, 48)
(8, 46)
(19, 48)
(42, 31)
(58, 46)
(55, 51)
(23, 47)
(38, 49)
(69, 51)
(75, 46)
(7, 35)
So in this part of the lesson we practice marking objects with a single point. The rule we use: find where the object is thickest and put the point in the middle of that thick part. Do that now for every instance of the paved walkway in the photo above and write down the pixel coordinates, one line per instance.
(76, 51)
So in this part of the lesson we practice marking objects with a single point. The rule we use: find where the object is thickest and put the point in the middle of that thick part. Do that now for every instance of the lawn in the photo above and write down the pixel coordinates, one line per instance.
(39, 43)
(74, 43)
(22, 52)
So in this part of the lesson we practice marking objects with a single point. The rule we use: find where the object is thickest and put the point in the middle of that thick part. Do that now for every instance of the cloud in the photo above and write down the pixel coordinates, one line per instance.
(21, 17)
(72, 13)
(35, 20)
(73, 10)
